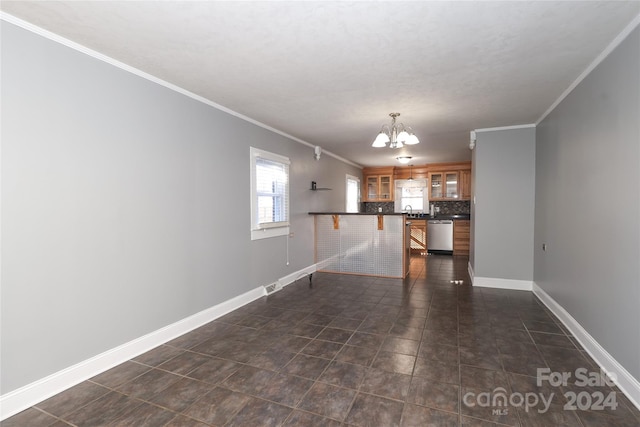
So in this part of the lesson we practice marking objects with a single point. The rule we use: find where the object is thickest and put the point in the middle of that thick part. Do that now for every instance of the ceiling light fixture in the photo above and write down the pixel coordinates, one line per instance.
(396, 135)
(404, 159)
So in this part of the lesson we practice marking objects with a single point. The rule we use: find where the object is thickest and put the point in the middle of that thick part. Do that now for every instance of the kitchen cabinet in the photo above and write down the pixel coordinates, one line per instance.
(443, 185)
(450, 185)
(378, 185)
(461, 235)
(465, 184)
(418, 231)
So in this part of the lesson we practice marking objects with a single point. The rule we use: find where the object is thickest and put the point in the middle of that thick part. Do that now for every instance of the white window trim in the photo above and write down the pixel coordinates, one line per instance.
(346, 186)
(265, 231)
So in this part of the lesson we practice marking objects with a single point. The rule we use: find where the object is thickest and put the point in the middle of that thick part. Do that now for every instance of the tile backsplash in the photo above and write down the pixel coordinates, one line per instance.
(372, 207)
(455, 207)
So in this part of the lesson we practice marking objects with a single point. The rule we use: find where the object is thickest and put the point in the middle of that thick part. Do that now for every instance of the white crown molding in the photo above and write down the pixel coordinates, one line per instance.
(111, 61)
(624, 380)
(530, 125)
(623, 35)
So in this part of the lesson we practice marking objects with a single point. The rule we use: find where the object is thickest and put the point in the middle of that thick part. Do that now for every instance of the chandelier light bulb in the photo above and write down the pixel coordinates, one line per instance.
(381, 140)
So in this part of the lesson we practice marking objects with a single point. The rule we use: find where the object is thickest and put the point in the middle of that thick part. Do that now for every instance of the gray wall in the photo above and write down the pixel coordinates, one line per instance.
(588, 204)
(125, 207)
(503, 214)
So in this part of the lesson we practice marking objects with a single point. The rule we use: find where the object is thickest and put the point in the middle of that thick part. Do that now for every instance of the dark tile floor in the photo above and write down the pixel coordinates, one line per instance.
(353, 351)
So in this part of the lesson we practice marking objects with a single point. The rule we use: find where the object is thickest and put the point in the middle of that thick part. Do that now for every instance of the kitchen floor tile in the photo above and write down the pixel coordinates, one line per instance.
(143, 415)
(350, 351)
(214, 371)
(104, 410)
(386, 384)
(368, 410)
(342, 374)
(328, 401)
(400, 345)
(158, 355)
(148, 384)
(258, 412)
(180, 395)
(182, 421)
(184, 363)
(285, 389)
(361, 339)
(442, 353)
(394, 362)
(120, 374)
(272, 359)
(306, 330)
(306, 419)
(335, 335)
(433, 394)
(29, 417)
(435, 370)
(420, 416)
(357, 355)
(217, 407)
(72, 399)
(306, 366)
(248, 379)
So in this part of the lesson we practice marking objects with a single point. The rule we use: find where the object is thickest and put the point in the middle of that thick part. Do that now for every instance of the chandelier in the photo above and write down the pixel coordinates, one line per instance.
(396, 135)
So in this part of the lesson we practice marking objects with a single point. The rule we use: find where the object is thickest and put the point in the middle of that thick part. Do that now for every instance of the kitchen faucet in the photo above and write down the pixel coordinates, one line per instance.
(410, 209)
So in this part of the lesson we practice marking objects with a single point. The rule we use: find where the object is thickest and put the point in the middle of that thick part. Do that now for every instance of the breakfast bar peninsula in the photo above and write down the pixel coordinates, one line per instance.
(362, 243)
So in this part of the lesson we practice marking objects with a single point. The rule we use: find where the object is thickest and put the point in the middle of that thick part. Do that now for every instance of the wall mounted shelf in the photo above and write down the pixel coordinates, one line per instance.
(314, 187)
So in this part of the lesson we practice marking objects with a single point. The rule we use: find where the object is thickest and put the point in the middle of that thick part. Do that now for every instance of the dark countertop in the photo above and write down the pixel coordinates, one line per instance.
(355, 213)
(428, 217)
(409, 216)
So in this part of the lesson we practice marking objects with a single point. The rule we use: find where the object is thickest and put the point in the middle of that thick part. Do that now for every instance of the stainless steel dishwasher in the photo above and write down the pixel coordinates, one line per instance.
(440, 236)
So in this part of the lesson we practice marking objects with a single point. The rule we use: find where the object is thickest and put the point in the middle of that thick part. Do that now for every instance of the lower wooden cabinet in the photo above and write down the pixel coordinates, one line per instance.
(418, 237)
(461, 236)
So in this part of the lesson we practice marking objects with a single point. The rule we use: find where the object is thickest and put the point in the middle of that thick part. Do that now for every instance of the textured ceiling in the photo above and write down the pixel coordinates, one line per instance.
(329, 73)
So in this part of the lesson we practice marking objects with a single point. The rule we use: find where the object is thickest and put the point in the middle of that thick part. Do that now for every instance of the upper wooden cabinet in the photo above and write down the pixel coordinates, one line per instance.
(465, 184)
(378, 184)
(446, 181)
(443, 185)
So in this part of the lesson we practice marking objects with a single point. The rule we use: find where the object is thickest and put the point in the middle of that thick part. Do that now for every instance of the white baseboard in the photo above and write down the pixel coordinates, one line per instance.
(494, 282)
(24, 397)
(625, 381)
(20, 399)
(290, 278)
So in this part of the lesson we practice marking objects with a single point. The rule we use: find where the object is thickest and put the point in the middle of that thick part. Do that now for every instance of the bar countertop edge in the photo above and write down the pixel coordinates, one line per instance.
(356, 213)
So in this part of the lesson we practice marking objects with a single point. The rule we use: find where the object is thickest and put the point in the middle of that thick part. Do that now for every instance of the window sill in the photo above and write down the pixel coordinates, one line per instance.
(266, 233)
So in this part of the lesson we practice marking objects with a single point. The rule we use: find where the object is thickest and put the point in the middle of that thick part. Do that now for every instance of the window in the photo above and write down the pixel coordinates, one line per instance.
(269, 194)
(411, 193)
(414, 197)
(353, 194)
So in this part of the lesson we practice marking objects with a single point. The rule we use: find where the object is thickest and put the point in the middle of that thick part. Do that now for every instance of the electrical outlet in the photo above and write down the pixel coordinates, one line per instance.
(291, 234)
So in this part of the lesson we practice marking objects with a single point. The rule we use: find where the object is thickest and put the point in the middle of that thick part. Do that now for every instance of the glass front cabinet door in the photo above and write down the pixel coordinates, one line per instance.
(443, 186)
(435, 186)
(372, 188)
(378, 187)
(451, 185)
